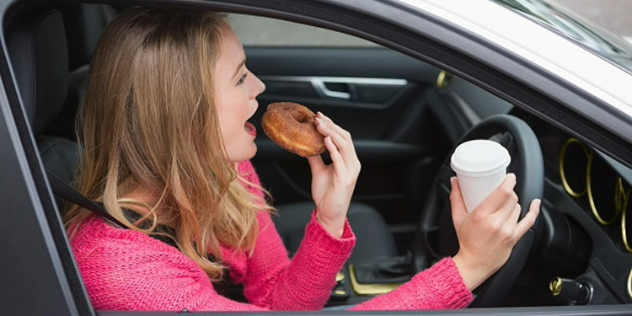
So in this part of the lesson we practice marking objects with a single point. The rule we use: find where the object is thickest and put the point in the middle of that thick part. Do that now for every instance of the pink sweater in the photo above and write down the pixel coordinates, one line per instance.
(128, 270)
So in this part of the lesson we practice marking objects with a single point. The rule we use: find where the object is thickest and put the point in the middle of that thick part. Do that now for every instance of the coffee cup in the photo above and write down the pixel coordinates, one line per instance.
(480, 166)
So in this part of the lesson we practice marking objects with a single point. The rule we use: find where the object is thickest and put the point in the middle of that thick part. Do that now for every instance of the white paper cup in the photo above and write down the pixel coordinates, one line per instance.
(480, 166)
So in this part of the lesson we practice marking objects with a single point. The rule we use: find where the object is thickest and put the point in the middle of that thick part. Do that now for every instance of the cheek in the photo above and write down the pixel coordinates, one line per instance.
(231, 124)
(232, 112)
(225, 110)
(226, 127)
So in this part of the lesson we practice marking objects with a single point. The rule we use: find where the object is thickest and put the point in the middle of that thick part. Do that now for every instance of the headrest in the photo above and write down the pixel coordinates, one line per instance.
(39, 55)
(84, 24)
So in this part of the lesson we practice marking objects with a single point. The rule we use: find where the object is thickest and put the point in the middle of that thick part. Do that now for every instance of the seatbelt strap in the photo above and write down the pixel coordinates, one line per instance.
(65, 191)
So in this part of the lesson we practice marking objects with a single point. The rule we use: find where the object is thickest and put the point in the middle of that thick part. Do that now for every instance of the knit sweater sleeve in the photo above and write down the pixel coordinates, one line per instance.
(272, 281)
(439, 287)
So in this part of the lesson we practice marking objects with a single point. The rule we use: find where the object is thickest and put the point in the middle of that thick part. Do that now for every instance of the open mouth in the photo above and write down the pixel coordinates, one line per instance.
(250, 129)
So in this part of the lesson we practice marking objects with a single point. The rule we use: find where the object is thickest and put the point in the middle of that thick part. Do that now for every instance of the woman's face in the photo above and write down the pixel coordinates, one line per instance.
(236, 89)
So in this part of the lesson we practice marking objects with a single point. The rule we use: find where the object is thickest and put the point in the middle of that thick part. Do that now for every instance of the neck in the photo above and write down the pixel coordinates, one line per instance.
(140, 199)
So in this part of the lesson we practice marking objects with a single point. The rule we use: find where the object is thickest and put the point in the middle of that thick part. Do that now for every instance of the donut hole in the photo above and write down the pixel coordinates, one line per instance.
(302, 118)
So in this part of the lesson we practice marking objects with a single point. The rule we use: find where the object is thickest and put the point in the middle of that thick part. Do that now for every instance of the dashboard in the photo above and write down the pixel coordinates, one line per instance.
(584, 252)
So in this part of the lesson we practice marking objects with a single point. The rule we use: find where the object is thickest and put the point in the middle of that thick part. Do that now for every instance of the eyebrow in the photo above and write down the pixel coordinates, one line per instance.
(243, 62)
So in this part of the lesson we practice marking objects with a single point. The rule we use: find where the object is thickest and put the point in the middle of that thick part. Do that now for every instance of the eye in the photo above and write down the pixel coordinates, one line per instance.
(242, 79)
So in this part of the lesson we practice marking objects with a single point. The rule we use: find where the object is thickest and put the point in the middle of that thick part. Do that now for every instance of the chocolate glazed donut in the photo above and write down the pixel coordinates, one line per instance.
(292, 126)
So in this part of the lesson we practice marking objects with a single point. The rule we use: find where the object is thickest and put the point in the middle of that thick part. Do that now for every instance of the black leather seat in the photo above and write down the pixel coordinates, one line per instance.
(373, 238)
(84, 24)
(38, 51)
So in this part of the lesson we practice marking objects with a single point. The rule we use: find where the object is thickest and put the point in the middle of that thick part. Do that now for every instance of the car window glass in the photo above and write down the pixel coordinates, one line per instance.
(590, 37)
(259, 31)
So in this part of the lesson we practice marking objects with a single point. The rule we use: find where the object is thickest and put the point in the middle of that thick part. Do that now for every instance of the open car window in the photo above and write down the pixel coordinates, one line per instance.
(267, 32)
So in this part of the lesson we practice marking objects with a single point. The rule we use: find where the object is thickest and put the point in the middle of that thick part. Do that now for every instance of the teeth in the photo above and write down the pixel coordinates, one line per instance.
(249, 128)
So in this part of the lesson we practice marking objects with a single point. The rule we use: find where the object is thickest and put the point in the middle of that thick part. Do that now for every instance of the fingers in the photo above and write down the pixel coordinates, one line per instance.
(529, 219)
(501, 210)
(508, 209)
(514, 215)
(336, 158)
(322, 118)
(456, 200)
(341, 139)
(502, 199)
(507, 224)
(327, 130)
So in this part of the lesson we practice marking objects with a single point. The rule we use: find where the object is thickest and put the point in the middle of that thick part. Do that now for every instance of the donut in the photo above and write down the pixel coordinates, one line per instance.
(292, 126)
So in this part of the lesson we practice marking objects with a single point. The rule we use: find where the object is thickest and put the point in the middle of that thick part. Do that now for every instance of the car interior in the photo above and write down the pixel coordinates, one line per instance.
(406, 117)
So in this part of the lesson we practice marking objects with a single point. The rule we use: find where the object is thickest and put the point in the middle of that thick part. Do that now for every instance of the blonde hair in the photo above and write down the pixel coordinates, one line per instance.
(149, 120)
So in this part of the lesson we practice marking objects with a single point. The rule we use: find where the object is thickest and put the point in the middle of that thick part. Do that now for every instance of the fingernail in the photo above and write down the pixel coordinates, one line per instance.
(537, 203)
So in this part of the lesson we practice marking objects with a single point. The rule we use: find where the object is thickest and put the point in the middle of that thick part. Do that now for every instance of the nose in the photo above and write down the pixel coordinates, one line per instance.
(259, 86)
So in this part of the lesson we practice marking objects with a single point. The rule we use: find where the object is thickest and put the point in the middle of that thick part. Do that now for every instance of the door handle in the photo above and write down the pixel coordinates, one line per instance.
(348, 88)
(322, 90)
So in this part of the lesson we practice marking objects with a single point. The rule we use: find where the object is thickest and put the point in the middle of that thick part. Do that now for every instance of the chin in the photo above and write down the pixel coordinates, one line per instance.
(244, 154)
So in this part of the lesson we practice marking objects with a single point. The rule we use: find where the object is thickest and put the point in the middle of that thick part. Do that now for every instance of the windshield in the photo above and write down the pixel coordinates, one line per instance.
(546, 14)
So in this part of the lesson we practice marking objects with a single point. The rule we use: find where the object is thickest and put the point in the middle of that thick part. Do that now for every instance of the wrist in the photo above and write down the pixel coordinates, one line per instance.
(335, 228)
(473, 275)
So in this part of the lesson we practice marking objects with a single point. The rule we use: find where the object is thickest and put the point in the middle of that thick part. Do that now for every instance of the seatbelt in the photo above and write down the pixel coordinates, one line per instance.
(68, 193)
(60, 188)
(65, 191)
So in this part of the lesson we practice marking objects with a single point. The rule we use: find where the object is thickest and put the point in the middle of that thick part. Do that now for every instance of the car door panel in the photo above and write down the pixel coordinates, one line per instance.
(366, 120)
(377, 95)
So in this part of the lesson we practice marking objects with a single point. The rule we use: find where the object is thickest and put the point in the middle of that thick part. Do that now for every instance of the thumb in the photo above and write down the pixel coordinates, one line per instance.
(315, 163)
(456, 200)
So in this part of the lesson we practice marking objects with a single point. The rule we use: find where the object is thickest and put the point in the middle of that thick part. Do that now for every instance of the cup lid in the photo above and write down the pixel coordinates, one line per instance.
(479, 158)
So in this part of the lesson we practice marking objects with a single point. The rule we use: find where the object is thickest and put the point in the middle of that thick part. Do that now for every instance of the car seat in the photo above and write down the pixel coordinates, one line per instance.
(38, 53)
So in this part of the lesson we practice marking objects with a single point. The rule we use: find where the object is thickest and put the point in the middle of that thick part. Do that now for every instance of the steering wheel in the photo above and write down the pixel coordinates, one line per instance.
(436, 237)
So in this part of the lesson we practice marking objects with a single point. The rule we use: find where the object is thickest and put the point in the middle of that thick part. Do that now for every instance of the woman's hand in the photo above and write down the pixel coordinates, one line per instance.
(488, 234)
(333, 185)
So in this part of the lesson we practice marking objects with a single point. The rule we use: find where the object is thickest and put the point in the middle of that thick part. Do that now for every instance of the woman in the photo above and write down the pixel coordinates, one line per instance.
(165, 135)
